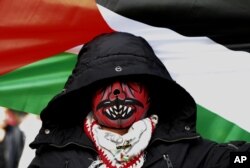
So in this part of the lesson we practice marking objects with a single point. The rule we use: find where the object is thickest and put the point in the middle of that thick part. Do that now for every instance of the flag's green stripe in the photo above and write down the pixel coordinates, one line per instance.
(216, 128)
(30, 88)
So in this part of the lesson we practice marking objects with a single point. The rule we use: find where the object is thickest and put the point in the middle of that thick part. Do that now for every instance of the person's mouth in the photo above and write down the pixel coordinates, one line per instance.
(119, 112)
(119, 109)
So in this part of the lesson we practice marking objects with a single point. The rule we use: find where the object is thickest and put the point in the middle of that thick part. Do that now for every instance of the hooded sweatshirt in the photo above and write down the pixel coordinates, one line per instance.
(174, 143)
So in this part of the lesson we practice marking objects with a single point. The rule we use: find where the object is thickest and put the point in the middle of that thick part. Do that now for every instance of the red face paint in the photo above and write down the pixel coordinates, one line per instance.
(120, 104)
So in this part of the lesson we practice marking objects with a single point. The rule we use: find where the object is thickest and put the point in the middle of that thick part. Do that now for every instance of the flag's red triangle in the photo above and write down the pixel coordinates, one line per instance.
(33, 30)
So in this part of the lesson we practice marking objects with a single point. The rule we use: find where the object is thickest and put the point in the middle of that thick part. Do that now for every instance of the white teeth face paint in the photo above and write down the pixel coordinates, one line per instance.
(120, 104)
(129, 109)
(108, 111)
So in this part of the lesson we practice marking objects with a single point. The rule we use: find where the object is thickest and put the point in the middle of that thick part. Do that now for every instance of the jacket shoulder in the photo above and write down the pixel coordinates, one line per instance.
(192, 153)
(70, 156)
(183, 153)
(219, 156)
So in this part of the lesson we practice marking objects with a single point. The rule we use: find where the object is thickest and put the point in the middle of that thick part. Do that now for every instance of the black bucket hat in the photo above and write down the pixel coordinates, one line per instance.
(125, 56)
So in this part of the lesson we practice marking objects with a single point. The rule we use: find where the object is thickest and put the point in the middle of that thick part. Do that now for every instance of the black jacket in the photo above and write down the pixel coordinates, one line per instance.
(13, 144)
(62, 142)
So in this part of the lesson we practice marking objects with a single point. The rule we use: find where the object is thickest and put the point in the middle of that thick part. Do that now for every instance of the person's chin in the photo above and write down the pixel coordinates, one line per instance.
(122, 123)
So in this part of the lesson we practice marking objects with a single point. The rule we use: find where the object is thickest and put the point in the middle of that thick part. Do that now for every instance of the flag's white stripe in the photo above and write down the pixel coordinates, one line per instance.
(74, 50)
(218, 78)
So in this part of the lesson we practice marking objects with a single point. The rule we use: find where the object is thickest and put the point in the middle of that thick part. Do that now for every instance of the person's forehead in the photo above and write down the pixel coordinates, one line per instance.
(122, 80)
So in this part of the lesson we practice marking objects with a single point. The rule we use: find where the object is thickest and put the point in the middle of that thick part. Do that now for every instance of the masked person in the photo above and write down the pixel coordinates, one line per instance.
(121, 108)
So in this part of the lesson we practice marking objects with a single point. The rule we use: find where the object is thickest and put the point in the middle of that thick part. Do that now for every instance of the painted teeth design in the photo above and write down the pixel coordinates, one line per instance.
(116, 111)
(107, 111)
(129, 109)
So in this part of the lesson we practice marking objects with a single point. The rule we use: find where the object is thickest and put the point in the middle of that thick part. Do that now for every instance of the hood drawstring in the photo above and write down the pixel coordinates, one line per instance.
(168, 161)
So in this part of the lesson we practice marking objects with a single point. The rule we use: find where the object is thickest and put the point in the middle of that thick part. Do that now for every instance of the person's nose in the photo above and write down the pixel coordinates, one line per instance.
(117, 91)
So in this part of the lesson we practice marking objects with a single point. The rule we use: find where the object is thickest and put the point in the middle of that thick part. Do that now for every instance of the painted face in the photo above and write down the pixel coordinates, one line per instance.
(120, 104)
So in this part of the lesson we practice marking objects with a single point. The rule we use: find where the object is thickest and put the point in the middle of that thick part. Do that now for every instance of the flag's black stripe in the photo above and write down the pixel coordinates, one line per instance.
(226, 22)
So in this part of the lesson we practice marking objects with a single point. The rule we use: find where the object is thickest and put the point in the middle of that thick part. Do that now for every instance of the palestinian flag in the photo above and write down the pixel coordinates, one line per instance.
(204, 44)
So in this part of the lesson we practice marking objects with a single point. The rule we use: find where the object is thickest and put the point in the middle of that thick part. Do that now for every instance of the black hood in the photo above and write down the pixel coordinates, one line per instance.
(120, 55)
